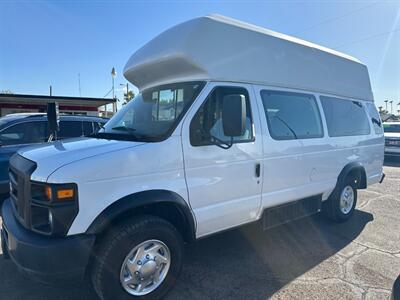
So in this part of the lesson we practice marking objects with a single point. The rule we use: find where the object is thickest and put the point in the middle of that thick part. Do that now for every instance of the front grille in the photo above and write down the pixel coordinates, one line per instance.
(20, 173)
(392, 142)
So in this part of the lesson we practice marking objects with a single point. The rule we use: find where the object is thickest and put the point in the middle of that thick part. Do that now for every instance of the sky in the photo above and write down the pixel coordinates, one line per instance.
(45, 43)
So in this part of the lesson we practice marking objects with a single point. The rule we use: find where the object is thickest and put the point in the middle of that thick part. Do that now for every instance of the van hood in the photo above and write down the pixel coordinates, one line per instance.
(51, 156)
(392, 134)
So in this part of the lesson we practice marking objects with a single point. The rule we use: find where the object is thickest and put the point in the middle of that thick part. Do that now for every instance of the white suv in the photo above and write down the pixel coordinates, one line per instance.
(234, 124)
(392, 138)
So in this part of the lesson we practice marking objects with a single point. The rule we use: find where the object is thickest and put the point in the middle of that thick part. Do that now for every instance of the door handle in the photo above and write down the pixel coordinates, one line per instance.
(258, 170)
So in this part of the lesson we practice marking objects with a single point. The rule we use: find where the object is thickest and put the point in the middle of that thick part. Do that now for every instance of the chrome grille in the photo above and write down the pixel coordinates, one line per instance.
(392, 142)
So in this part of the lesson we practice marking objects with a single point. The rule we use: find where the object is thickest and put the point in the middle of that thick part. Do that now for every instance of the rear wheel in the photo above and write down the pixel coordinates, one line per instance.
(139, 259)
(341, 203)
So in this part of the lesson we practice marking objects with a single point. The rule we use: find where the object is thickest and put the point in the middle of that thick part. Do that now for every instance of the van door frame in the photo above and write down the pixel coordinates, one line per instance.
(215, 215)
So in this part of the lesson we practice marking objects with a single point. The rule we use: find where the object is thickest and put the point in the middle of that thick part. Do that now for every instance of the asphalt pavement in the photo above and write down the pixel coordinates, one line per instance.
(310, 258)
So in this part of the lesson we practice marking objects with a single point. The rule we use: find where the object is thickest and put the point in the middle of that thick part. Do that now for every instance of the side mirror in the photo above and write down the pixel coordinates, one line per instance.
(234, 115)
(53, 119)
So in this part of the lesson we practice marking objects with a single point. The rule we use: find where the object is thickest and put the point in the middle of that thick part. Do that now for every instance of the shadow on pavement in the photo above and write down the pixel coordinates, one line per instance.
(249, 263)
(243, 263)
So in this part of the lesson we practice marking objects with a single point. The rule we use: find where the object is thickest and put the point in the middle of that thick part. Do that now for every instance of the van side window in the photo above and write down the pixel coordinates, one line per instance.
(207, 122)
(375, 118)
(345, 117)
(291, 115)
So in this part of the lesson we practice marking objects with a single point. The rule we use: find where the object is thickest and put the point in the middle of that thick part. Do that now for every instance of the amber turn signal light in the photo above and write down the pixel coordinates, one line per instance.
(65, 194)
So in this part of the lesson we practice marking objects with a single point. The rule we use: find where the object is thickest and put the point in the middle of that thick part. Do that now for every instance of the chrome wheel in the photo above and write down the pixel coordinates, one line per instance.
(145, 267)
(346, 200)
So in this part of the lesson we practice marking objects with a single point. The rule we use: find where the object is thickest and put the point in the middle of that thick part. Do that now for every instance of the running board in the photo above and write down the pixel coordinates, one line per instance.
(288, 212)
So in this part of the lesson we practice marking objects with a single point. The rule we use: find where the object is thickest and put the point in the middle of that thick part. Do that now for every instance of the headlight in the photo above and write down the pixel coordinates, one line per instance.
(53, 192)
(53, 207)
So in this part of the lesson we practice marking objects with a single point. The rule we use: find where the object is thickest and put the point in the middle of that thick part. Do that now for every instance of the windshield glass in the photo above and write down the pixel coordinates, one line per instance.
(391, 128)
(153, 114)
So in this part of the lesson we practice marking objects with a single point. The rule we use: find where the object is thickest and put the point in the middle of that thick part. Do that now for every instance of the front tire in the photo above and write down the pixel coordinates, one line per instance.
(138, 259)
(341, 203)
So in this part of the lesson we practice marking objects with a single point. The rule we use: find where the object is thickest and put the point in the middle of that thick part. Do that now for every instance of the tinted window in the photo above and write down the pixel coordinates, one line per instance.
(24, 133)
(70, 129)
(87, 128)
(207, 123)
(291, 115)
(345, 117)
(374, 117)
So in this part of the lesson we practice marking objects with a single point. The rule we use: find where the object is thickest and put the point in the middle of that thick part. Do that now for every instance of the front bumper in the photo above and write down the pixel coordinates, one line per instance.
(392, 151)
(44, 258)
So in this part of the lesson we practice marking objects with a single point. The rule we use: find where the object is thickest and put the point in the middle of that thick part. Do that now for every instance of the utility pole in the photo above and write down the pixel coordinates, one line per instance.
(51, 91)
(126, 96)
(79, 84)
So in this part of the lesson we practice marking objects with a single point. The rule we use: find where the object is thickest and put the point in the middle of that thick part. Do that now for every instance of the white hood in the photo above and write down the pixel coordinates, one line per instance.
(392, 134)
(50, 157)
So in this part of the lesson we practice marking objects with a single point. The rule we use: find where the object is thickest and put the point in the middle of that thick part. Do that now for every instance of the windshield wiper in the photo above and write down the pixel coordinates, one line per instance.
(123, 128)
(132, 132)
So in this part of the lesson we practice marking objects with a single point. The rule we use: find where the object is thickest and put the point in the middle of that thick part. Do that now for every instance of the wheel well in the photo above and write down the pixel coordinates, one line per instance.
(358, 177)
(167, 211)
(161, 203)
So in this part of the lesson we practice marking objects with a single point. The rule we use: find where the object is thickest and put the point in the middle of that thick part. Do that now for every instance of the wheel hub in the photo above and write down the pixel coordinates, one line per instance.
(148, 268)
(145, 267)
(346, 200)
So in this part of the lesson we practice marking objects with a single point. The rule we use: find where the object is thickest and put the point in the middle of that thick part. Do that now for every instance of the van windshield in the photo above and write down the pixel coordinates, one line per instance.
(153, 114)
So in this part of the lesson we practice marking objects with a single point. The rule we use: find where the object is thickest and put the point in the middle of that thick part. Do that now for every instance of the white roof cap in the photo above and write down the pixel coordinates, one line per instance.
(220, 48)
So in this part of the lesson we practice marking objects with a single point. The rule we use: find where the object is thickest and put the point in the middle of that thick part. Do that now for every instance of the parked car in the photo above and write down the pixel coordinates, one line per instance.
(392, 138)
(21, 130)
(233, 124)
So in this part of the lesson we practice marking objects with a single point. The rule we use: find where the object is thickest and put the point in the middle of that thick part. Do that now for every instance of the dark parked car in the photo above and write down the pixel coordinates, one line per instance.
(20, 130)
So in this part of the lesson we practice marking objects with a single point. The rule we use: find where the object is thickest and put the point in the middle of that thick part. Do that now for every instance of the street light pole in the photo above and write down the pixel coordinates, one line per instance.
(113, 74)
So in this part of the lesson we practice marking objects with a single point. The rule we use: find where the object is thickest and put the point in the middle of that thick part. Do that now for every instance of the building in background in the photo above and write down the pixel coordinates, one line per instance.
(18, 103)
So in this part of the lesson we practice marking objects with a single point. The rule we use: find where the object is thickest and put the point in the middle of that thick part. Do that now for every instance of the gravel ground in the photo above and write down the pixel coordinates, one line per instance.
(310, 258)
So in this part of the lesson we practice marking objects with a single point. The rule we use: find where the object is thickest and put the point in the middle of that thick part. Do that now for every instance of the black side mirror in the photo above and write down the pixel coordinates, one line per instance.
(234, 115)
(53, 119)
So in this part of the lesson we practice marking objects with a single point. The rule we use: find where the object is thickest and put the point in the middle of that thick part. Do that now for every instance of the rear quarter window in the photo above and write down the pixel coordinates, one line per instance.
(374, 117)
(345, 117)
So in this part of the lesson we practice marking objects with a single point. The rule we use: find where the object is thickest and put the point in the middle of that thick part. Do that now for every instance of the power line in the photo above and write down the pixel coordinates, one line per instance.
(368, 38)
(330, 20)
(108, 93)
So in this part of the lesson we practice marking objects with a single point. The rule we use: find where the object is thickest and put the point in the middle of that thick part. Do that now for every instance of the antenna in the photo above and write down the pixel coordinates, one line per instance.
(79, 84)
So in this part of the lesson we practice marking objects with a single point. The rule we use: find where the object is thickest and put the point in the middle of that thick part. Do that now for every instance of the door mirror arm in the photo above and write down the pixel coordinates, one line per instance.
(219, 143)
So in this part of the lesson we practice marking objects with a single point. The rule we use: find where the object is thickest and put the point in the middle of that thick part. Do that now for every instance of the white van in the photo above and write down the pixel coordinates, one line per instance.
(234, 124)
